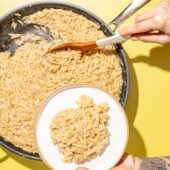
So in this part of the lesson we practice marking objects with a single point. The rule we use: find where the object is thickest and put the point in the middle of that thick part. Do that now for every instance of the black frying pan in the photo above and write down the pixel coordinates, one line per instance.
(5, 28)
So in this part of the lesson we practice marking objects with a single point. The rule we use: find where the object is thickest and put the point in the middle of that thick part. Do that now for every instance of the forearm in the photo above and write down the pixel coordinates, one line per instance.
(157, 163)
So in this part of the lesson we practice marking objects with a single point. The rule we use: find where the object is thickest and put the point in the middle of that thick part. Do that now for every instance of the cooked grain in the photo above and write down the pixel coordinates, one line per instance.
(81, 133)
(28, 77)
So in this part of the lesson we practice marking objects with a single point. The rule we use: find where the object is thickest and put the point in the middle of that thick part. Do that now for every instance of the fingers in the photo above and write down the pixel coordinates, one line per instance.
(145, 16)
(141, 27)
(153, 38)
(148, 25)
(81, 168)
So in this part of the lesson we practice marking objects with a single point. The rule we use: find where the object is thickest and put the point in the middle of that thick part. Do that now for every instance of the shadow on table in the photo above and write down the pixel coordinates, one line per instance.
(33, 165)
(4, 158)
(159, 57)
(136, 145)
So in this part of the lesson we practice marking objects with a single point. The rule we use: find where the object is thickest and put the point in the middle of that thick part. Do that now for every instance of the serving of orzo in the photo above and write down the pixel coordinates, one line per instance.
(81, 133)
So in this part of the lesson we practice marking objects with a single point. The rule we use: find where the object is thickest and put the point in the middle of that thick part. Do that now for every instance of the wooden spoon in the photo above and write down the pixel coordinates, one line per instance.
(85, 46)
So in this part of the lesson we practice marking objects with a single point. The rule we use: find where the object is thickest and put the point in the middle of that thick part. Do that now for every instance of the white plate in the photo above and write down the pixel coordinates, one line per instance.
(66, 98)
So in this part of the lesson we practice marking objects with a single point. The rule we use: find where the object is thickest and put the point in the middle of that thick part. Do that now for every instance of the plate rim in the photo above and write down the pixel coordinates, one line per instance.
(71, 87)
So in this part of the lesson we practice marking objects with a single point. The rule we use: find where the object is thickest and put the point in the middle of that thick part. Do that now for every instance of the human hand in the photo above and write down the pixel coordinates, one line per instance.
(152, 26)
(126, 163)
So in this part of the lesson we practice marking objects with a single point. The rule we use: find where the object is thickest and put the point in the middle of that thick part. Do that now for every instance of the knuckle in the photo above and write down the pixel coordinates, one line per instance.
(159, 22)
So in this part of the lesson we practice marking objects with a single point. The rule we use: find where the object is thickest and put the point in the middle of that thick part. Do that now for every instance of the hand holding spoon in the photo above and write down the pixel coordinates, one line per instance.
(85, 46)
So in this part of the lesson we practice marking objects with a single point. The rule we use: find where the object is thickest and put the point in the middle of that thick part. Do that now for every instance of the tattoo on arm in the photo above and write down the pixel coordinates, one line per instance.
(162, 163)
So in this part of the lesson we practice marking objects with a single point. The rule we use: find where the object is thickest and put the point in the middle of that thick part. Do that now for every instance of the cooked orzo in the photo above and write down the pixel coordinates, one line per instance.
(81, 133)
(28, 77)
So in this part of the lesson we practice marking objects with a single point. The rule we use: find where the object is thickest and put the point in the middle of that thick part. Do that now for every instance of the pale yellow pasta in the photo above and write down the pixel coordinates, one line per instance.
(28, 77)
(81, 133)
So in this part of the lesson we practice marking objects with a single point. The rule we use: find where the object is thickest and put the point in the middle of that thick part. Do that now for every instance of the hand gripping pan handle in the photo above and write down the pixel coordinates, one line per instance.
(134, 6)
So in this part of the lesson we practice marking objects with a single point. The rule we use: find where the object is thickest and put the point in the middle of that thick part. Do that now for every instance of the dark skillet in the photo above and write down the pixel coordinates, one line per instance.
(7, 44)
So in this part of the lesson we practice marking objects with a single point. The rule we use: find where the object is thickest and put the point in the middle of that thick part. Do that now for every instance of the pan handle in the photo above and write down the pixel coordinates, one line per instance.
(128, 11)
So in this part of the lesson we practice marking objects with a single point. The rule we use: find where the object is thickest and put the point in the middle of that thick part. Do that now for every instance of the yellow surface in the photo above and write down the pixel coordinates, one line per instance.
(148, 107)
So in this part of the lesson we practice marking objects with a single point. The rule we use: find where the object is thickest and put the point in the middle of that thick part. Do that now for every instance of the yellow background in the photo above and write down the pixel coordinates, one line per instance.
(148, 107)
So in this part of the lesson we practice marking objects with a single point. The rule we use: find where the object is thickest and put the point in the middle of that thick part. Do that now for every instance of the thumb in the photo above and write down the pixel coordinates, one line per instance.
(81, 168)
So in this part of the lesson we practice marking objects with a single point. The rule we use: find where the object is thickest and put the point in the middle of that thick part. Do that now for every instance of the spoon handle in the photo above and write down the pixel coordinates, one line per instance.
(117, 38)
(128, 11)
